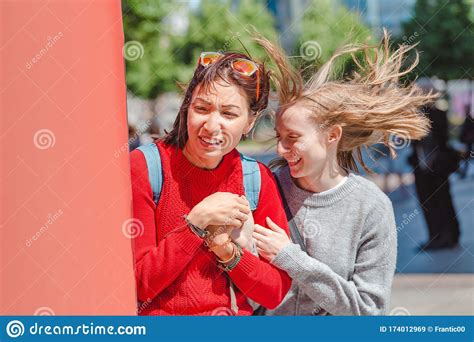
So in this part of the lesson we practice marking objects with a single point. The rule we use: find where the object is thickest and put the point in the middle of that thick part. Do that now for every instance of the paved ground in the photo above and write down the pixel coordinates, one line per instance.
(434, 283)
(433, 294)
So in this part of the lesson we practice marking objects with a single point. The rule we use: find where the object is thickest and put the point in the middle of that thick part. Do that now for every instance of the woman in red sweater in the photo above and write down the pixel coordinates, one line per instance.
(184, 258)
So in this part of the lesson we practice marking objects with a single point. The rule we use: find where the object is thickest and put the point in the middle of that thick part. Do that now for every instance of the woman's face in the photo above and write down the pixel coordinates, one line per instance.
(216, 121)
(301, 142)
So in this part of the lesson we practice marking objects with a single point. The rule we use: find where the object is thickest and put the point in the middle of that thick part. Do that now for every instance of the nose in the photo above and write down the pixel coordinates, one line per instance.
(282, 149)
(212, 125)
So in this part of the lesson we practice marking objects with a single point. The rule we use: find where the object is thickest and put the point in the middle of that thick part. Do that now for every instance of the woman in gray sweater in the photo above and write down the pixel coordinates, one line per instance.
(342, 252)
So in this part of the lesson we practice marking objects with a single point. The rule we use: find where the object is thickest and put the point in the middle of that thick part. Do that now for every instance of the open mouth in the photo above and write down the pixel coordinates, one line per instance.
(294, 161)
(211, 141)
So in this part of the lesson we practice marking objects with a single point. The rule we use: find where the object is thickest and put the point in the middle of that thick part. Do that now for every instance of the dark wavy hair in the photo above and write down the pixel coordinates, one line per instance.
(206, 76)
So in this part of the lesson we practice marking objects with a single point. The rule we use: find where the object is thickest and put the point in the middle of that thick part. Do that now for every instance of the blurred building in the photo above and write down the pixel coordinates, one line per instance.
(375, 13)
(382, 13)
(288, 15)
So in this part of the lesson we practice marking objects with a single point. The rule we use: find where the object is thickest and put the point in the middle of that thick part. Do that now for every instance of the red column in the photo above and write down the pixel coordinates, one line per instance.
(64, 172)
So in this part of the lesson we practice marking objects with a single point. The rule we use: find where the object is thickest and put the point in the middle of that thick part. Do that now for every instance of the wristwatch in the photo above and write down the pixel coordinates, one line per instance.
(202, 233)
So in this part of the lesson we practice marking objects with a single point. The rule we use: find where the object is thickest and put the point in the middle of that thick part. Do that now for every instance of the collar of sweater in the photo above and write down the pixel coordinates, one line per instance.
(311, 199)
(190, 171)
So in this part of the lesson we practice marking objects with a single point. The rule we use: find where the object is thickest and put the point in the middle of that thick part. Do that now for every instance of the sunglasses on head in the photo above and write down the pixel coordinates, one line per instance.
(243, 66)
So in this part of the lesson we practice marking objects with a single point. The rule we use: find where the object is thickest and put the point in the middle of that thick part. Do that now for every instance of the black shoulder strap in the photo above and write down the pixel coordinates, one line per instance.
(294, 232)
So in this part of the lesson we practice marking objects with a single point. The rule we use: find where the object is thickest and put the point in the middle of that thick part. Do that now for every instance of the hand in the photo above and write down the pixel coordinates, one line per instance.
(219, 234)
(220, 209)
(243, 236)
(270, 241)
(224, 251)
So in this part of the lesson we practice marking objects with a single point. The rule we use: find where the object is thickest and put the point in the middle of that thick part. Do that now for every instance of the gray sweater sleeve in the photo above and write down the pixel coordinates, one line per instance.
(367, 292)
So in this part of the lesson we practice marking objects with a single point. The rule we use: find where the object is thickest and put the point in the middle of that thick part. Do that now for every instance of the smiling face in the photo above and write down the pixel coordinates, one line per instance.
(216, 121)
(306, 147)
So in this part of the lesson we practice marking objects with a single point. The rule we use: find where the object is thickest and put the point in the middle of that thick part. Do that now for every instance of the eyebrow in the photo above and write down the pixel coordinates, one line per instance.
(201, 99)
(231, 105)
(210, 104)
(286, 130)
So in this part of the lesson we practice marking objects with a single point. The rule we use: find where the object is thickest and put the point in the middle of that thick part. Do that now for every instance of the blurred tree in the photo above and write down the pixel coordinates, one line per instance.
(444, 32)
(327, 25)
(222, 26)
(173, 35)
(152, 71)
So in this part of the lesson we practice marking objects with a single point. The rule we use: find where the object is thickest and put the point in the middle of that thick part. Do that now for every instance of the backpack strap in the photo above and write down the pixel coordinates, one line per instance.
(252, 185)
(252, 180)
(294, 232)
(155, 172)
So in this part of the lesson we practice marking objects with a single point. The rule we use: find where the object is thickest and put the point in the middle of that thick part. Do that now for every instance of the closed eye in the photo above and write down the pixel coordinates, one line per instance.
(230, 114)
(200, 109)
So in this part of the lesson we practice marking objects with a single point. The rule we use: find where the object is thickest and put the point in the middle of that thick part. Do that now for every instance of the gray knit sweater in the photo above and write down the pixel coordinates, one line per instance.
(351, 242)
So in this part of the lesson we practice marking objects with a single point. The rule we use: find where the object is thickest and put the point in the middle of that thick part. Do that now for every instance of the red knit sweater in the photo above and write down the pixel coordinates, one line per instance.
(175, 272)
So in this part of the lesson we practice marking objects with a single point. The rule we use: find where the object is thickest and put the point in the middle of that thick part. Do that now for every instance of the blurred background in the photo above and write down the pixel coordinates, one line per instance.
(431, 183)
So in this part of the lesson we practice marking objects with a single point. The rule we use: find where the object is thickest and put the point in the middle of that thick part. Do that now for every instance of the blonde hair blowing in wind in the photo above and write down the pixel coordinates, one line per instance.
(370, 105)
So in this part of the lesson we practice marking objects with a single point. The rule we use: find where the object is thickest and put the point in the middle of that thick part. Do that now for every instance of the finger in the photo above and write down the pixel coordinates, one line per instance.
(273, 226)
(261, 230)
(236, 223)
(242, 200)
(241, 216)
(260, 244)
(236, 214)
(262, 254)
(261, 250)
(243, 208)
(259, 237)
(232, 222)
(256, 235)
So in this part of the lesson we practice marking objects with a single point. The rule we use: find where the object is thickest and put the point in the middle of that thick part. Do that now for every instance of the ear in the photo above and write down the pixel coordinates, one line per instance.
(334, 133)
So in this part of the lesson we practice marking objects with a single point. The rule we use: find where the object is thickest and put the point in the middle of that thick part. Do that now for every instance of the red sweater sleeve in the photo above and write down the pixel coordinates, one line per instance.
(257, 278)
(158, 262)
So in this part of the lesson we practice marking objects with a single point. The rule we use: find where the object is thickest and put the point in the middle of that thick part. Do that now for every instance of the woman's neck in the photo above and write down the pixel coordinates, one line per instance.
(318, 182)
(202, 163)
